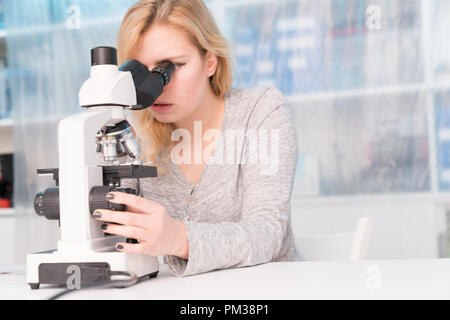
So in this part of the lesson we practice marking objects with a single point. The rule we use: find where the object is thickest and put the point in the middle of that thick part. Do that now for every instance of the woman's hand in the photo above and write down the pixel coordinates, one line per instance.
(148, 222)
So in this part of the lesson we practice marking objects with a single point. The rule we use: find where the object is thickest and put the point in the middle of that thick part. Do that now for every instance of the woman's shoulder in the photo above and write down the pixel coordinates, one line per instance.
(255, 104)
(266, 95)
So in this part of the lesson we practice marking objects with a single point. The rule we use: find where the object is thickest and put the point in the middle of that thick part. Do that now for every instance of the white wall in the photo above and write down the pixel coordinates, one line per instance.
(404, 227)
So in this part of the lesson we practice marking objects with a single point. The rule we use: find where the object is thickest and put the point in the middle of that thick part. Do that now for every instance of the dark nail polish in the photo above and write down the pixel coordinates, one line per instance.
(104, 226)
(97, 214)
(120, 247)
(109, 196)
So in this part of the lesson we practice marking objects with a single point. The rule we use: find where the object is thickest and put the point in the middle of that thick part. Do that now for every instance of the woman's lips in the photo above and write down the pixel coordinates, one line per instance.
(161, 106)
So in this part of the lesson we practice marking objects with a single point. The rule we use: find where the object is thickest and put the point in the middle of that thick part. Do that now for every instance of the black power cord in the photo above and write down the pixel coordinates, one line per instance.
(102, 278)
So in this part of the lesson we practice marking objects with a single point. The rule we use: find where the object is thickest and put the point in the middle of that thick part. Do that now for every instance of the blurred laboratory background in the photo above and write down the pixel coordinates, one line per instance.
(368, 82)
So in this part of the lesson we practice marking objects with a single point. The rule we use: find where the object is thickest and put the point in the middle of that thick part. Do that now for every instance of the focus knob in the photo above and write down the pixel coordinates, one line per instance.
(97, 198)
(46, 204)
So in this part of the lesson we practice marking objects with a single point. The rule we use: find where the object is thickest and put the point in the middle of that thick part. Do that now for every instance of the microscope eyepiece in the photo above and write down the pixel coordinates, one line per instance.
(165, 71)
(103, 55)
(149, 84)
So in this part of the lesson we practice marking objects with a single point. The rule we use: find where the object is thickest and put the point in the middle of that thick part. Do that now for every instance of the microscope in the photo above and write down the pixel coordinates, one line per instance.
(101, 131)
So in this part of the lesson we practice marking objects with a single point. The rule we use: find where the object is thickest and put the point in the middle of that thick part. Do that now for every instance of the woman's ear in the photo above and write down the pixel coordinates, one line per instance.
(211, 63)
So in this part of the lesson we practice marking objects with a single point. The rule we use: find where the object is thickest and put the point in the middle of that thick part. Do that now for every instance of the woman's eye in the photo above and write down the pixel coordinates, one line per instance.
(178, 65)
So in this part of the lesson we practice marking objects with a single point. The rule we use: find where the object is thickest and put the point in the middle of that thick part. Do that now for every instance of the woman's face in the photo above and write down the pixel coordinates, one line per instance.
(190, 80)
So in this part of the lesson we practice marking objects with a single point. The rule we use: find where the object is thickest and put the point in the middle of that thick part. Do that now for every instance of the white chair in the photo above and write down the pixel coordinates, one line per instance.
(346, 246)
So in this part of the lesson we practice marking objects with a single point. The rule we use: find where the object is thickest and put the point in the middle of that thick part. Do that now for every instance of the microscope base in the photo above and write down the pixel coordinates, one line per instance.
(52, 267)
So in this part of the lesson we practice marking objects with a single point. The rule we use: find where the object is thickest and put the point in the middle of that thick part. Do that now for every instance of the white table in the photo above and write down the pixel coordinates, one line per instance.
(381, 279)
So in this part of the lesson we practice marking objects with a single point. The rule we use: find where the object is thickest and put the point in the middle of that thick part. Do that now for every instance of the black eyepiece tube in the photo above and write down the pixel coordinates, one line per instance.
(165, 71)
(149, 84)
(103, 55)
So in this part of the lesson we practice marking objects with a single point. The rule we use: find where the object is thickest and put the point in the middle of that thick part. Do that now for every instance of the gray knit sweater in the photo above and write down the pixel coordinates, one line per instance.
(238, 214)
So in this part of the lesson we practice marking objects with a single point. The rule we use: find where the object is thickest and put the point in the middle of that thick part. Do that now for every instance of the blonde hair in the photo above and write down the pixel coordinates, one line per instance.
(192, 17)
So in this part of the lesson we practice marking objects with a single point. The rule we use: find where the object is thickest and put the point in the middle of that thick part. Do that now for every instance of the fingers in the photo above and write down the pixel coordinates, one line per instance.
(121, 217)
(124, 231)
(139, 248)
(134, 203)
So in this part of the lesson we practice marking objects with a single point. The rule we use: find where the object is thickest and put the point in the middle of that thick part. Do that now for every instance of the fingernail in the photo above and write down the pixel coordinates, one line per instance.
(120, 247)
(109, 196)
(104, 226)
(97, 214)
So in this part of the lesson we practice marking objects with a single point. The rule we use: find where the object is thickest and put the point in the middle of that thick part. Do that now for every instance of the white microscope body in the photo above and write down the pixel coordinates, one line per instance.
(83, 243)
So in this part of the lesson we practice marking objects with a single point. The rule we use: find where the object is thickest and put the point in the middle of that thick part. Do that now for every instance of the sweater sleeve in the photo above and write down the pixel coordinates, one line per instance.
(259, 236)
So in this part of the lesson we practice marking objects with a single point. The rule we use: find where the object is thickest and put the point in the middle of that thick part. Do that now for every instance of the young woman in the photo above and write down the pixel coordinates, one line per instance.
(229, 154)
